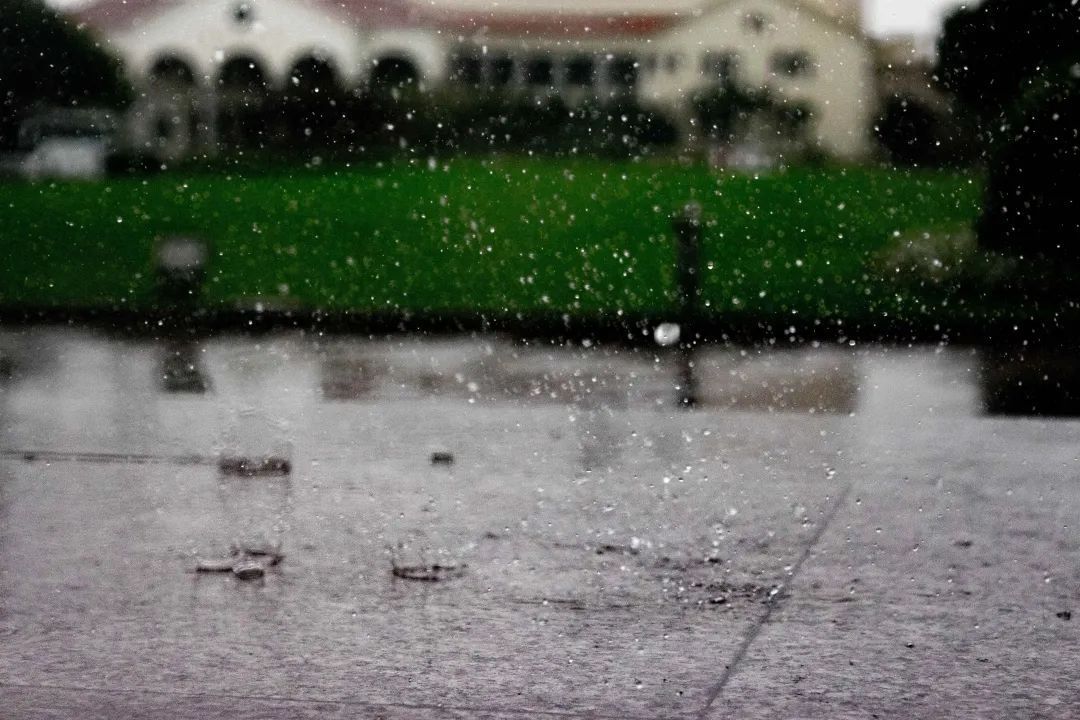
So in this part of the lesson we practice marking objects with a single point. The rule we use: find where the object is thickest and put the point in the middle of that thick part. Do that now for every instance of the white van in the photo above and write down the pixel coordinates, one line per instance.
(67, 144)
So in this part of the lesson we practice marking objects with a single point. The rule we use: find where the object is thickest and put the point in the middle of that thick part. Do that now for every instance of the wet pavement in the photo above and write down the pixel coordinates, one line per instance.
(475, 528)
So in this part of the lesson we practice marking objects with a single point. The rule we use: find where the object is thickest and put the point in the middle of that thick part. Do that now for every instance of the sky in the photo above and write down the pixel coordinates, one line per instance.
(920, 17)
(883, 17)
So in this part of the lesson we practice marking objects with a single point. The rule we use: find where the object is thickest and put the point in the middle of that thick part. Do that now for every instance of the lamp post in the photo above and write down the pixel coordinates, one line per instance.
(687, 227)
(180, 266)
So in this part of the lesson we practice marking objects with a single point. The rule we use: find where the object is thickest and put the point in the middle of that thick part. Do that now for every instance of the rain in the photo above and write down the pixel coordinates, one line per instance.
(457, 358)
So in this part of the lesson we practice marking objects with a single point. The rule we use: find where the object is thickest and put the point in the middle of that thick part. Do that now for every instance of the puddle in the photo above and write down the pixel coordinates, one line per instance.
(245, 563)
(441, 457)
(254, 467)
(427, 573)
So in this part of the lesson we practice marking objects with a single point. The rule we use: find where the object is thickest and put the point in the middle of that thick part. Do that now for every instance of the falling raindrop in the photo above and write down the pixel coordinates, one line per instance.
(667, 334)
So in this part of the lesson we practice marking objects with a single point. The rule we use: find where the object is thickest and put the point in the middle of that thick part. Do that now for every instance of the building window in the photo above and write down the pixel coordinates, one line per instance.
(756, 22)
(672, 62)
(623, 71)
(172, 71)
(793, 64)
(467, 70)
(539, 71)
(243, 13)
(794, 119)
(502, 71)
(719, 66)
(580, 71)
(164, 128)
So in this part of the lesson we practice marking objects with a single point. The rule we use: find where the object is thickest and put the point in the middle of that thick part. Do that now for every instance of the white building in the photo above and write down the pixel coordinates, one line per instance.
(195, 58)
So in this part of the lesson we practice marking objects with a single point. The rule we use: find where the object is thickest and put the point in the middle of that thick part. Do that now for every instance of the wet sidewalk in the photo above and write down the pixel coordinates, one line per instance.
(831, 533)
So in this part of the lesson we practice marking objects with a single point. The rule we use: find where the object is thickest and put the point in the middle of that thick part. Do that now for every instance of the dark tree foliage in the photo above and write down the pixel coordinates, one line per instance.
(724, 108)
(1014, 66)
(988, 53)
(909, 131)
(313, 106)
(498, 122)
(620, 128)
(1033, 208)
(47, 61)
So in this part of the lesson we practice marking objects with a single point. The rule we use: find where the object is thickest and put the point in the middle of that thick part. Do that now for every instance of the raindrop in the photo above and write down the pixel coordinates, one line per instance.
(667, 334)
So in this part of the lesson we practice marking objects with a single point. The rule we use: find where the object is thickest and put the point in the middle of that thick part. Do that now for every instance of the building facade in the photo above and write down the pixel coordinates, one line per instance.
(206, 68)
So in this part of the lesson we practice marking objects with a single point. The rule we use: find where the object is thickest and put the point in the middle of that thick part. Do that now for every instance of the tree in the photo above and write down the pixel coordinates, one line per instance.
(722, 109)
(47, 61)
(989, 54)
(1014, 65)
(909, 131)
(1032, 207)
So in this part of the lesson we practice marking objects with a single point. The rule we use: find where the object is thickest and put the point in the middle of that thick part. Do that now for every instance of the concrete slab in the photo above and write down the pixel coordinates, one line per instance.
(622, 558)
(944, 587)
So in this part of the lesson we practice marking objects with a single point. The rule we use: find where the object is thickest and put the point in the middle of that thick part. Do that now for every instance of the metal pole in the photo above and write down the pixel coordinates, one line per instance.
(180, 263)
(687, 226)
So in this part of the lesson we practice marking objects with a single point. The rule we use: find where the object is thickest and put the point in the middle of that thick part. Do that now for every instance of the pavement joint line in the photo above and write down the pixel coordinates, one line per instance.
(103, 457)
(570, 714)
(752, 634)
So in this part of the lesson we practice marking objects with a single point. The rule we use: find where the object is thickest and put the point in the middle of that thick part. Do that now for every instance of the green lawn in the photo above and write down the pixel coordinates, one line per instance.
(494, 236)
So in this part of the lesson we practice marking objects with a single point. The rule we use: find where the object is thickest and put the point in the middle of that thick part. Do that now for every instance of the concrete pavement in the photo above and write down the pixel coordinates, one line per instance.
(834, 532)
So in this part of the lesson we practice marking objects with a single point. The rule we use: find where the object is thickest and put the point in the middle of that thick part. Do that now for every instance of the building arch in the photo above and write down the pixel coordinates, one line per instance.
(314, 72)
(172, 109)
(313, 100)
(172, 69)
(243, 72)
(424, 52)
(394, 73)
(244, 100)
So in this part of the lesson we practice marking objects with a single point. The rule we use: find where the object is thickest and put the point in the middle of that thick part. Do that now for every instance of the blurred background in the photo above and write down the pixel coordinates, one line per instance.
(600, 359)
(900, 170)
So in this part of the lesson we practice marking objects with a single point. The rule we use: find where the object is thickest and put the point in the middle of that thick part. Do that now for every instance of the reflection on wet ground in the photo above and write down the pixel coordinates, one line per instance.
(180, 371)
(303, 526)
(345, 378)
(1031, 382)
(502, 371)
(816, 380)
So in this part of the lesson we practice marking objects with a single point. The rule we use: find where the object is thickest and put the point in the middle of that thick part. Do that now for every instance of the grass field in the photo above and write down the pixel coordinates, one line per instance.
(494, 236)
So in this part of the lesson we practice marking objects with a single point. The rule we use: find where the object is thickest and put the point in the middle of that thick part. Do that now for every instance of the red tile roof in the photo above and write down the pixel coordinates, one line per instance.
(114, 14)
(553, 25)
(106, 15)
